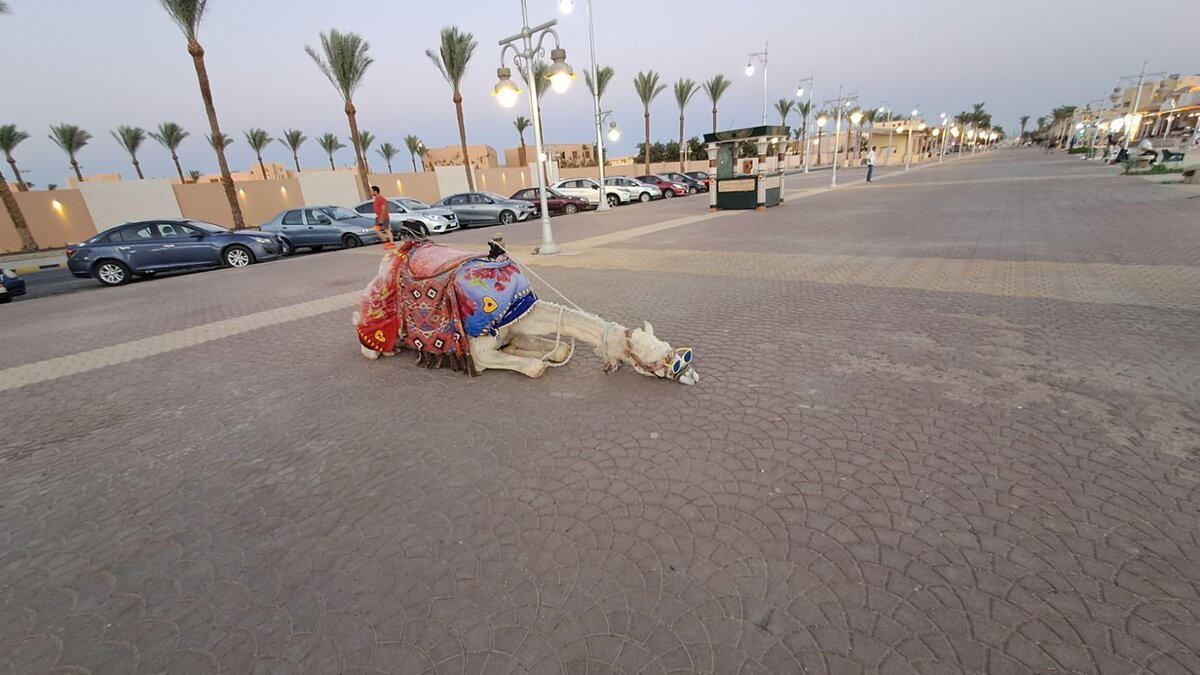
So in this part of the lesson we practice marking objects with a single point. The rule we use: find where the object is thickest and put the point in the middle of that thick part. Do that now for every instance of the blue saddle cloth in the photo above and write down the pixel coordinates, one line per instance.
(491, 295)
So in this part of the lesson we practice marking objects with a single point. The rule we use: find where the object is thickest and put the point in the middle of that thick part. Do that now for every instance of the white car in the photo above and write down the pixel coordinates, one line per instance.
(420, 217)
(643, 192)
(586, 188)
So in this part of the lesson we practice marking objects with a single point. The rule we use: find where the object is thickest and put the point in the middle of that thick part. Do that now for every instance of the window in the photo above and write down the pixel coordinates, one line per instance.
(393, 207)
(365, 209)
(315, 217)
(480, 199)
(293, 218)
(135, 234)
(459, 200)
(173, 230)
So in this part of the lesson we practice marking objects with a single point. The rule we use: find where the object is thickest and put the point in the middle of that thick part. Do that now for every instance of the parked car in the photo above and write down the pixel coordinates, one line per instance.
(644, 191)
(556, 201)
(414, 215)
(487, 208)
(692, 184)
(151, 246)
(701, 176)
(11, 286)
(316, 227)
(669, 188)
(586, 188)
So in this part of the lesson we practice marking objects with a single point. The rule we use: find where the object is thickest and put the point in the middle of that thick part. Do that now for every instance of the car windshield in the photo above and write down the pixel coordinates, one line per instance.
(414, 204)
(339, 213)
(207, 227)
(551, 192)
(494, 196)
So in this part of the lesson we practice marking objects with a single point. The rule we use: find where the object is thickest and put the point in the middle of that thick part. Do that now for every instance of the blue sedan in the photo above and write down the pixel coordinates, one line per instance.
(317, 227)
(148, 247)
(11, 286)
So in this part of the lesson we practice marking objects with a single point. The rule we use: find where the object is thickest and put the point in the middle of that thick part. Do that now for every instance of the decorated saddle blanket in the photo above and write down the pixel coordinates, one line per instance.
(432, 299)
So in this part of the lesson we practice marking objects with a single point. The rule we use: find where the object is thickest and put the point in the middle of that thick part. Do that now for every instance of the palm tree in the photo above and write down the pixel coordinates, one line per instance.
(28, 244)
(647, 87)
(10, 138)
(604, 75)
(1041, 123)
(522, 123)
(170, 135)
(1024, 121)
(784, 107)
(365, 140)
(258, 139)
(685, 89)
(715, 88)
(3, 7)
(345, 62)
(187, 14)
(226, 140)
(805, 109)
(131, 138)
(388, 151)
(71, 139)
(330, 144)
(415, 147)
(294, 138)
(451, 60)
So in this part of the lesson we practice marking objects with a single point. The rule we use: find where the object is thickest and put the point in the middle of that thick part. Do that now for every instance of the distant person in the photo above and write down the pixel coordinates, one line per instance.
(870, 163)
(383, 222)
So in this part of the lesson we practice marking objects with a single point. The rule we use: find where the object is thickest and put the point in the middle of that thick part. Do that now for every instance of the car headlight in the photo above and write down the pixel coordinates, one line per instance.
(436, 218)
(366, 230)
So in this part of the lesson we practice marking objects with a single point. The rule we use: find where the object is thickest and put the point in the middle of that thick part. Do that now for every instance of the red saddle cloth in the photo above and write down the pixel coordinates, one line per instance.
(412, 301)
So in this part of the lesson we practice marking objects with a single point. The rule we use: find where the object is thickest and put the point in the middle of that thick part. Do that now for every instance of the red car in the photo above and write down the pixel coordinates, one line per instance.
(555, 200)
(669, 187)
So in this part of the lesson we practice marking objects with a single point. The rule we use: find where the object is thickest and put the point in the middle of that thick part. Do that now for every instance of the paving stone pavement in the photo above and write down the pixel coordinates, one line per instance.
(929, 471)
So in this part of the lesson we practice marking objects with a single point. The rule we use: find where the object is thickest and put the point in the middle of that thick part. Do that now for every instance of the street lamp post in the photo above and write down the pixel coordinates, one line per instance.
(799, 93)
(821, 121)
(887, 107)
(1137, 100)
(762, 57)
(506, 93)
(942, 150)
(908, 144)
(566, 6)
(838, 103)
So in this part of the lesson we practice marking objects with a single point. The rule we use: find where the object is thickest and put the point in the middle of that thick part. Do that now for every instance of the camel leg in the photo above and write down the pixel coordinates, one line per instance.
(532, 346)
(487, 356)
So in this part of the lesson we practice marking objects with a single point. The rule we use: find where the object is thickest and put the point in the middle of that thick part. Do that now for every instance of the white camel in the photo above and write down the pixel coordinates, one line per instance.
(535, 343)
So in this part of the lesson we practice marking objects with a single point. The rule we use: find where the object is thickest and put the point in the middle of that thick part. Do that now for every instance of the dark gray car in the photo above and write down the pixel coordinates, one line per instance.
(317, 227)
(487, 208)
(151, 246)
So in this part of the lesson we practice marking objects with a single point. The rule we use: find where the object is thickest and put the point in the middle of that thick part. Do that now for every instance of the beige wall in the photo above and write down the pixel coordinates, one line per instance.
(503, 181)
(117, 202)
(204, 201)
(482, 156)
(52, 225)
(261, 200)
(330, 187)
(423, 186)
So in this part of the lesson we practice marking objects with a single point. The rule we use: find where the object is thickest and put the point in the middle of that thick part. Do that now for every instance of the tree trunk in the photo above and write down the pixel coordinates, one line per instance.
(178, 167)
(413, 157)
(75, 165)
(524, 155)
(714, 118)
(138, 167)
(235, 208)
(682, 168)
(296, 158)
(331, 166)
(646, 148)
(262, 167)
(351, 115)
(28, 245)
(21, 186)
(462, 139)
(804, 139)
(389, 163)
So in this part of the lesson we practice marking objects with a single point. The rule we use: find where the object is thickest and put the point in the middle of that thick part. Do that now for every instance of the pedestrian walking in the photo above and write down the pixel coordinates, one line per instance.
(870, 163)
(383, 222)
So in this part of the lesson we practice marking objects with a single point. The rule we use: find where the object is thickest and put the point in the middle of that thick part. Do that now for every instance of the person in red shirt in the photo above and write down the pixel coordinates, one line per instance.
(383, 222)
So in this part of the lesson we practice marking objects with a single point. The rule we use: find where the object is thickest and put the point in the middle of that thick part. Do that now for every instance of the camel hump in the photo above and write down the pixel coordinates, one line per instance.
(431, 260)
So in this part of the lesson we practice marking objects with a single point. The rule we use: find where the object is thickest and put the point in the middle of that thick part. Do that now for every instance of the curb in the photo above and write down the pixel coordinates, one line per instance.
(39, 268)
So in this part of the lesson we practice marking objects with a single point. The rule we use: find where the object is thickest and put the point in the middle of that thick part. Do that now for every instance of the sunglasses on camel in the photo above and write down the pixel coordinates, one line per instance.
(682, 361)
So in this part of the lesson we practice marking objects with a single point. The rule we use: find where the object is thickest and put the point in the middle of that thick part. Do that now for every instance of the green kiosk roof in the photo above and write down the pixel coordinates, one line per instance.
(747, 134)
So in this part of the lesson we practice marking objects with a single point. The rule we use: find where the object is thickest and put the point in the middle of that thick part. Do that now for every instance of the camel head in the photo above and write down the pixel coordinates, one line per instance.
(655, 358)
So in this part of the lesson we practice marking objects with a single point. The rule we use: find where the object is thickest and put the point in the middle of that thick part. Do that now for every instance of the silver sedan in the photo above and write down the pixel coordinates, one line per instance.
(487, 208)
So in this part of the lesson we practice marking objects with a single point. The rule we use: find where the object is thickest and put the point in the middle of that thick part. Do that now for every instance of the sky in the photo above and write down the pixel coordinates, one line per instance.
(104, 63)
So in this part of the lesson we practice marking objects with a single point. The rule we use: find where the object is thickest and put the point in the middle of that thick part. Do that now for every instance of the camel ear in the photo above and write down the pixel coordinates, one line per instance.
(648, 328)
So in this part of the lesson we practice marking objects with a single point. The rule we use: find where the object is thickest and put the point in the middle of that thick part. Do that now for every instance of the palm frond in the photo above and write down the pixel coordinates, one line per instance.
(365, 139)
(130, 138)
(388, 151)
(69, 137)
(716, 87)
(10, 138)
(784, 107)
(522, 123)
(685, 89)
(343, 59)
(413, 144)
(330, 143)
(169, 135)
(539, 84)
(257, 139)
(293, 139)
(647, 87)
(603, 74)
(187, 14)
(226, 140)
(453, 54)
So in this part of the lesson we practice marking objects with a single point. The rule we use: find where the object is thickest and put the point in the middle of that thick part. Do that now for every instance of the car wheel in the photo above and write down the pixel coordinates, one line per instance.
(507, 217)
(5, 299)
(644, 197)
(668, 194)
(692, 190)
(570, 209)
(111, 272)
(351, 241)
(237, 256)
(286, 248)
(613, 201)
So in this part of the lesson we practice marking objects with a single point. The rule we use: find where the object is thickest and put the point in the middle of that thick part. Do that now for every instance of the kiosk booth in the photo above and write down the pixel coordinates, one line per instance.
(740, 187)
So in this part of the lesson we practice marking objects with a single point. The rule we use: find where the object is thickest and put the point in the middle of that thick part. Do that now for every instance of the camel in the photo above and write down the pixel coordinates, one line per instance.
(519, 332)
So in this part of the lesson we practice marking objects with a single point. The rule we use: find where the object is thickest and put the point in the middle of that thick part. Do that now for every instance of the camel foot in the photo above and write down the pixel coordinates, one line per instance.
(370, 354)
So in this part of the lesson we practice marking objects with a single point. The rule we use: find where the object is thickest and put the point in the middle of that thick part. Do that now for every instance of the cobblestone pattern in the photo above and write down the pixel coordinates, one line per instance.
(880, 480)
